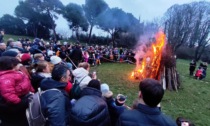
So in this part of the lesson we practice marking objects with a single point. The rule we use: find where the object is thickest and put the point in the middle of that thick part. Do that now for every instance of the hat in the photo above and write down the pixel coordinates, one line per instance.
(55, 60)
(104, 88)
(36, 41)
(121, 98)
(49, 53)
(25, 57)
(10, 53)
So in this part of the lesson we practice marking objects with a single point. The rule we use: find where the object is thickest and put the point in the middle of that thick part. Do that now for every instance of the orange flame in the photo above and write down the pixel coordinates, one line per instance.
(150, 64)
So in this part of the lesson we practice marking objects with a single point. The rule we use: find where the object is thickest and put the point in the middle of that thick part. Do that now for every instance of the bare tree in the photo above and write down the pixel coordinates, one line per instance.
(178, 20)
(188, 24)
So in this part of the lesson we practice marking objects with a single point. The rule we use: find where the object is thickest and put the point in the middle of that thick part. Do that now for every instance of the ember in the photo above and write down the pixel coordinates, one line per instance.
(148, 66)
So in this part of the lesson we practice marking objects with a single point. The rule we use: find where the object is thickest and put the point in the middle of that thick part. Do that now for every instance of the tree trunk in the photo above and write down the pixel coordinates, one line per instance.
(89, 38)
(169, 79)
(77, 33)
(54, 32)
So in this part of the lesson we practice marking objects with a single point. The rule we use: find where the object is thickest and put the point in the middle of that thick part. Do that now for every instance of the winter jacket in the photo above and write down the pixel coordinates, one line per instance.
(14, 85)
(81, 75)
(144, 116)
(90, 109)
(36, 79)
(55, 103)
(114, 110)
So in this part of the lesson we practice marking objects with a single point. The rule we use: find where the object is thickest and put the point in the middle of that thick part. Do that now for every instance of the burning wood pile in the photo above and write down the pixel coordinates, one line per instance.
(157, 62)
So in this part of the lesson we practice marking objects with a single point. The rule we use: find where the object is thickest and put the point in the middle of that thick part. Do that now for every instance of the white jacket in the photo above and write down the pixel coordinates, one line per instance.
(81, 73)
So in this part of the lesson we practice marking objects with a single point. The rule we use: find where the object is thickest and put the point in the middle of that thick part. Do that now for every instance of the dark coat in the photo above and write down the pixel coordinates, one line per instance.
(90, 109)
(76, 54)
(144, 116)
(114, 110)
(13, 114)
(55, 104)
(36, 80)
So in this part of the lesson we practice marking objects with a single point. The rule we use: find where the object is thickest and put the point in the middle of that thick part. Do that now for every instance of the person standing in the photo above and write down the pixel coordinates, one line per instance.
(1, 36)
(192, 67)
(147, 112)
(91, 109)
(76, 56)
(55, 101)
(2, 48)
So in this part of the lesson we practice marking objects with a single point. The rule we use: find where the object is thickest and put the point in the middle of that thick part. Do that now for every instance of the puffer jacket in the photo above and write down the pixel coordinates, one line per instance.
(144, 115)
(90, 110)
(55, 103)
(81, 75)
(13, 85)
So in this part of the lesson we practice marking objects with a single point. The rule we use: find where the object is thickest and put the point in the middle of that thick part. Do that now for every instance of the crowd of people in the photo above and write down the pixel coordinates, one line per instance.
(26, 67)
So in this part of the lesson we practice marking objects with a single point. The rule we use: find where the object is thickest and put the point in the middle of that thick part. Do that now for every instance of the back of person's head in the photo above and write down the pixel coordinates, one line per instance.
(37, 56)
(25, 59)
(94, 83)
(85, 65)
(180, 121)
(8, 62)
(40, 66)
(120, 99)
(55, 60)
(59, 71)
(152, 92)
(10, 53)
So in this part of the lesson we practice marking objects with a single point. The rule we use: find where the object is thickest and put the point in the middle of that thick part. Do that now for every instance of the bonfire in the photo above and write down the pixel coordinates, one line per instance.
(154, 63)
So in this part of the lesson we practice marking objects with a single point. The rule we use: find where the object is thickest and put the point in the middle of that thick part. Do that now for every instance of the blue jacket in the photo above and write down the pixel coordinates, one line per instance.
(55, 104)
(114, 110)
(144, 116)
(90, 109)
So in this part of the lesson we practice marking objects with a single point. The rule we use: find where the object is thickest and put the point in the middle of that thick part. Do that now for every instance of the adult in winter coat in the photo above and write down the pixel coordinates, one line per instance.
(55, 101)
(147, 113)
(82, 76)
(91, 109)
(14, 91)
(76, 55)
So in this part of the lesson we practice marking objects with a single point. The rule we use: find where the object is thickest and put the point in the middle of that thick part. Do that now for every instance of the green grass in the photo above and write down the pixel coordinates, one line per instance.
(191, 101)
(15, 37)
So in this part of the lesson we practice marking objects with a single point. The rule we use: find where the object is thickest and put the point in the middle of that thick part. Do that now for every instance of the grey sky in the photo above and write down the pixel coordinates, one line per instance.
(146, 9)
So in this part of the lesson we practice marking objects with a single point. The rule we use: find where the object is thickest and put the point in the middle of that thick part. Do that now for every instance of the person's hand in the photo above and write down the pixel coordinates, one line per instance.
(94, 76)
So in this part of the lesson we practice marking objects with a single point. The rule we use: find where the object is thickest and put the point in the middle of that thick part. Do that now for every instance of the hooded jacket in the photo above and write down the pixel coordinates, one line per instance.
(55, 103)
(94, 113)
(81, 75)
(14, 85)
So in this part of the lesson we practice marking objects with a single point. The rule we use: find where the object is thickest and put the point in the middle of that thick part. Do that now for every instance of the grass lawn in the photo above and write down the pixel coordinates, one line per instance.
(191, 101)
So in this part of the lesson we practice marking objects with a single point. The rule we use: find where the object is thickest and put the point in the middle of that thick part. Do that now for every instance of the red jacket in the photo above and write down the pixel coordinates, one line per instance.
(13, 85)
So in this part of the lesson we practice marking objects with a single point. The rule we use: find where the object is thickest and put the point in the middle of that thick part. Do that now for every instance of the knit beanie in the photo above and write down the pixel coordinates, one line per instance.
(55, 60)
(10, 53)
(104, 88)
(25, 57)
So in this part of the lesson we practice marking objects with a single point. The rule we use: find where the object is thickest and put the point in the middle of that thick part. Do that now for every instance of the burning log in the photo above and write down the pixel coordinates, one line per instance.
(158, 63)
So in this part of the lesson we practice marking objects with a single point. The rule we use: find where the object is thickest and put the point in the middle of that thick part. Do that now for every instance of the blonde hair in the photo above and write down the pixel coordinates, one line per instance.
(40, 66)
(85, 65)
(37, 56)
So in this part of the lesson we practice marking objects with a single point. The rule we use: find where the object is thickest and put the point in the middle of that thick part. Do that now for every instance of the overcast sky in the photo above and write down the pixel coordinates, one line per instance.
(146, 9)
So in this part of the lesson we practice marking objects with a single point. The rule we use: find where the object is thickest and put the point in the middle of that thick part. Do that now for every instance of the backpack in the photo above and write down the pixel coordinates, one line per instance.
(34, 113)
(76, 90)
